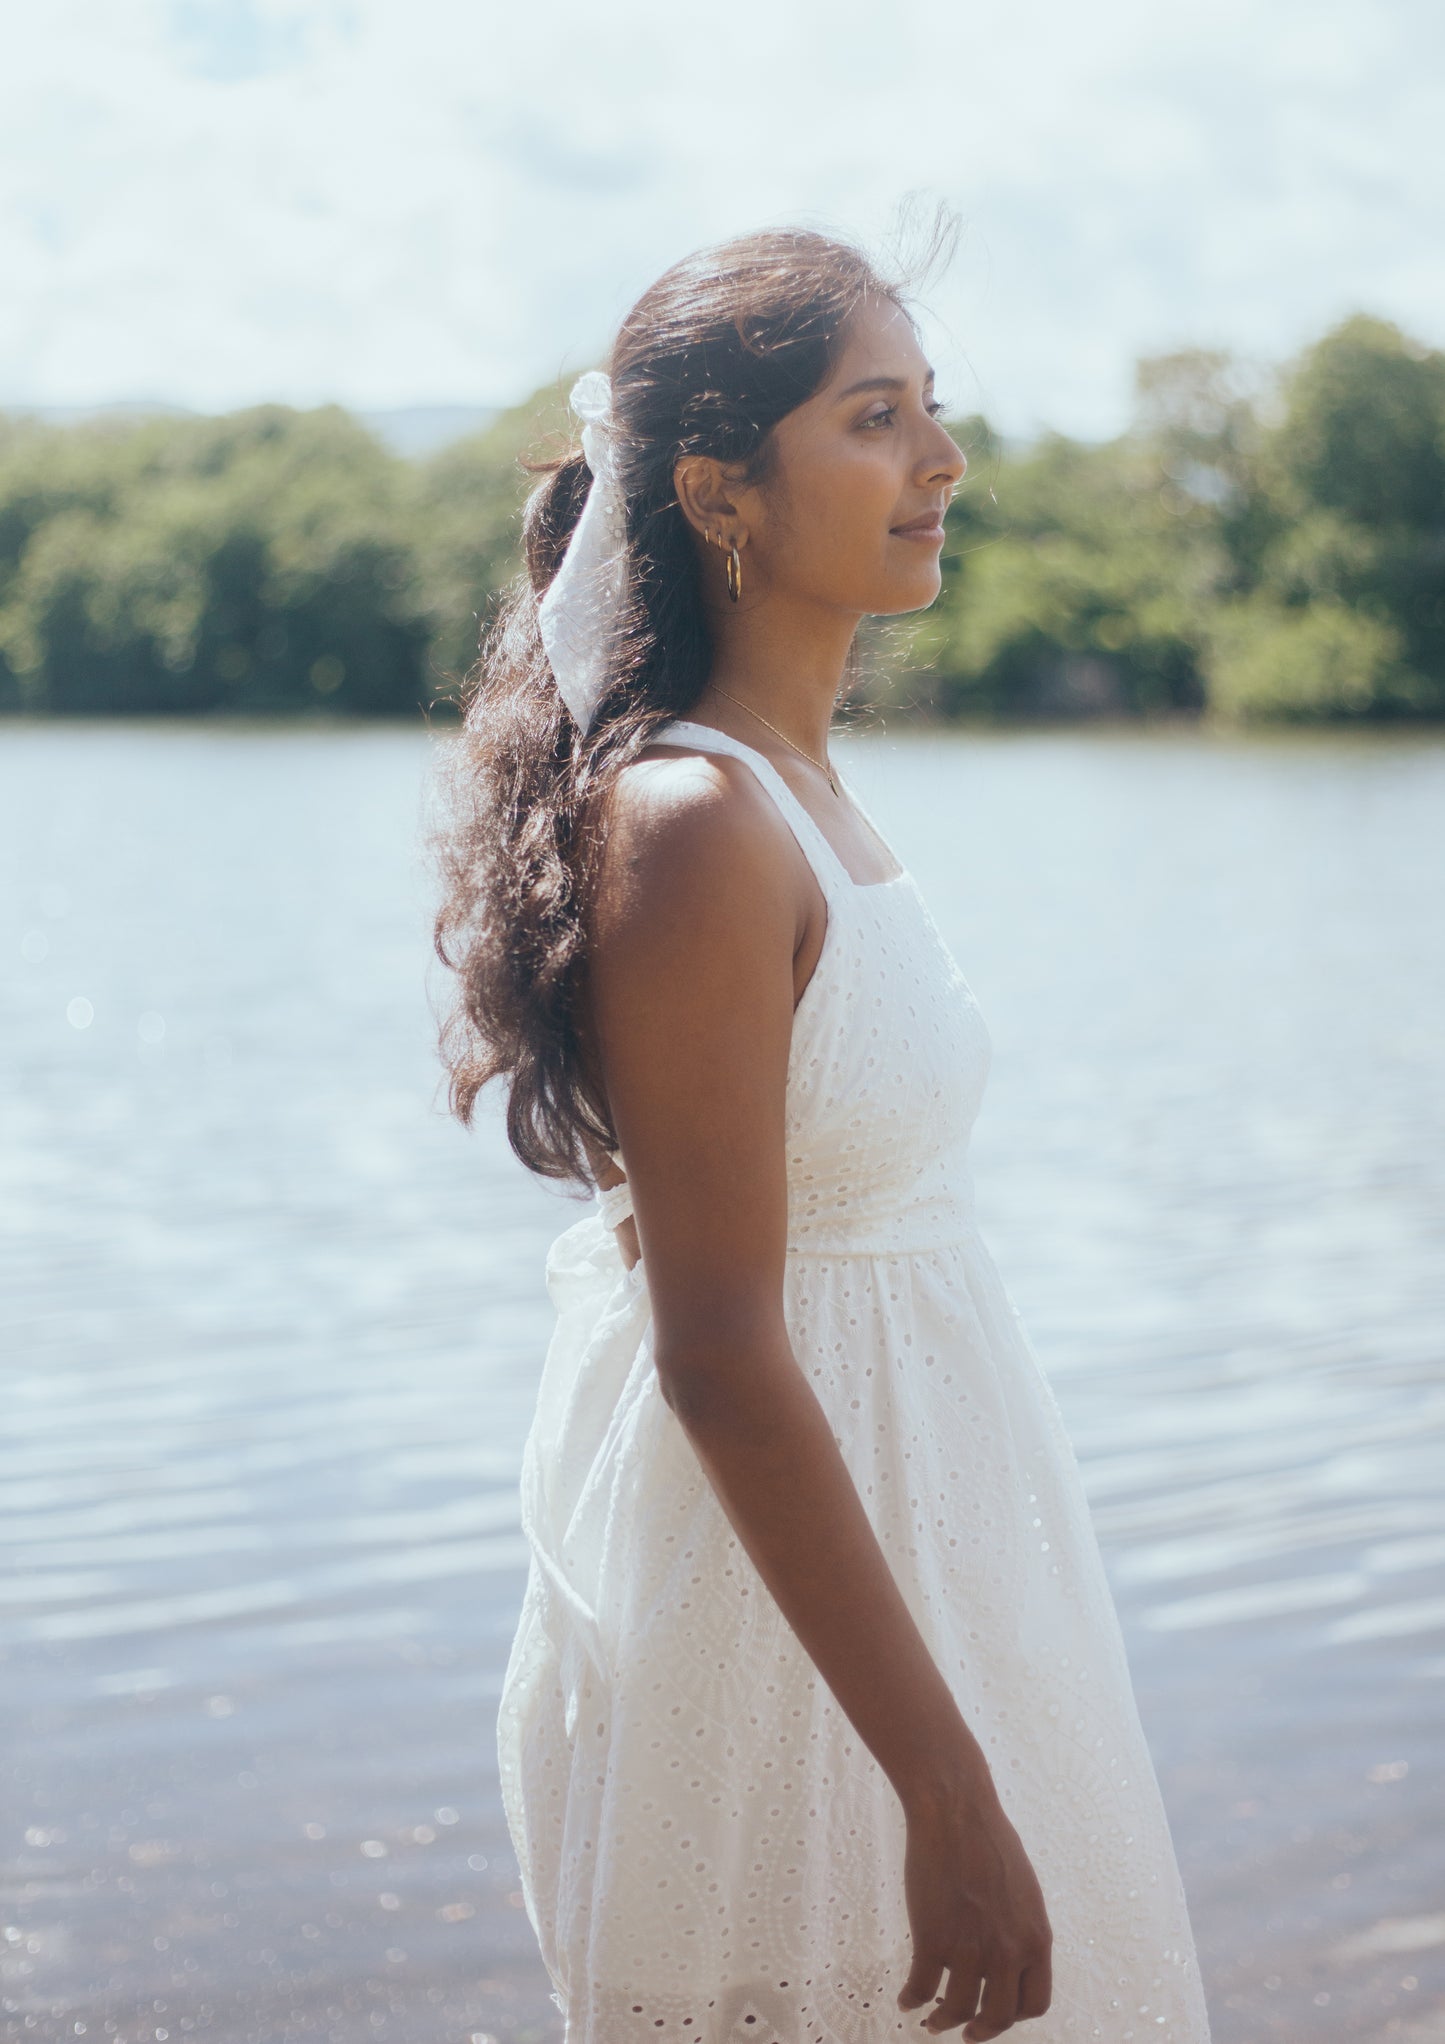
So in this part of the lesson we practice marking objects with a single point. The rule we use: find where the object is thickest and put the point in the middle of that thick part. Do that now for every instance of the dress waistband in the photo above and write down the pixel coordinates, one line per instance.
(614, 1203)
(921, 1220)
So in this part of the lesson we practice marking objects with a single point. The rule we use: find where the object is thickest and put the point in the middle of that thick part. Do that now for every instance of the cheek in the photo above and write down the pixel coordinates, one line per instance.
(844, 514)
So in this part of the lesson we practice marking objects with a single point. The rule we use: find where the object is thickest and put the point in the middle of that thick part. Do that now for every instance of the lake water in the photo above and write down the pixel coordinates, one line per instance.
(272, 1326)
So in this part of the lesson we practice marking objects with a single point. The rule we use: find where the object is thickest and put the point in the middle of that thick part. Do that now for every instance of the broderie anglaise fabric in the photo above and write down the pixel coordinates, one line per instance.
(708, 1851)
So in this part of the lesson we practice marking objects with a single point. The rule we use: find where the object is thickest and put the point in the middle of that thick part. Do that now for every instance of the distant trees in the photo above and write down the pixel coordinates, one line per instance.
(1336, 602)
(1270, 553)
(1079, 581)
(468, 503)
(257, 562)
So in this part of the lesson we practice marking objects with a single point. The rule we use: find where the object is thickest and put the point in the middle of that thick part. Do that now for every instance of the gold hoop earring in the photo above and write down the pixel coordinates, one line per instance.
(735, 573)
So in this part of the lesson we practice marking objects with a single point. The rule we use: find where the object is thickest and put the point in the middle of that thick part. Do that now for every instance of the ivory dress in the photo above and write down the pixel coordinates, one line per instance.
(708, 1852)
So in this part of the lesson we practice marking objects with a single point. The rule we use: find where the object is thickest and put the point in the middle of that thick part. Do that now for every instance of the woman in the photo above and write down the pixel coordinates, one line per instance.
(818, 1709)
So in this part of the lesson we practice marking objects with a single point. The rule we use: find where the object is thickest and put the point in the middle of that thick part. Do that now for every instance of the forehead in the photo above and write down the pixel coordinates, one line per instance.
(878, 341)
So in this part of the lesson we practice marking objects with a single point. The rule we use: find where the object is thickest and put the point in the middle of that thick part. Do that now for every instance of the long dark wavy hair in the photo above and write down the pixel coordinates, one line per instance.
(725, 344)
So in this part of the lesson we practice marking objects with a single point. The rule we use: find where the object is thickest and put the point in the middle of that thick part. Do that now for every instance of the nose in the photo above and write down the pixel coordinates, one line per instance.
(947, 461)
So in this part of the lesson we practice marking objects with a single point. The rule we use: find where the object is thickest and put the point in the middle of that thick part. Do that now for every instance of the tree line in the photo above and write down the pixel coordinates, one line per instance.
(1251, 550)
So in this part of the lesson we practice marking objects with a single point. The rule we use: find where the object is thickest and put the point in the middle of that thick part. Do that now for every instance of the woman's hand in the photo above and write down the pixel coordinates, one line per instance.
(975, 1908)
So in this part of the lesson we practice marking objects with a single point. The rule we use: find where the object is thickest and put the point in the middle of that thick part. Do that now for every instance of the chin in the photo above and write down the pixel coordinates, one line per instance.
(916, 594)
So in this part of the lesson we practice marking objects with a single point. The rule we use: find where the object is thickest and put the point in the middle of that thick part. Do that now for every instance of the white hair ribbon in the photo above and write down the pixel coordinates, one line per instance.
(578, 614)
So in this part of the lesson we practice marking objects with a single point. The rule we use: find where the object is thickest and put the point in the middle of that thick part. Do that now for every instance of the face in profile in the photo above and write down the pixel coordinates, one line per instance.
(851, 516)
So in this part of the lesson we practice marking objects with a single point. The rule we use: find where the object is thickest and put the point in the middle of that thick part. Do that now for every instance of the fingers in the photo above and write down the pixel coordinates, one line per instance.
(959, 2003)
(1016, 1982)
(1004, 2001)
(922, 1982)
(1000, 2006)
(1036, 1987)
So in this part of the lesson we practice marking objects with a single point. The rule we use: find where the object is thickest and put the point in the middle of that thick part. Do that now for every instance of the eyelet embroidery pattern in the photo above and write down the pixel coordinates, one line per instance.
(708, 1853)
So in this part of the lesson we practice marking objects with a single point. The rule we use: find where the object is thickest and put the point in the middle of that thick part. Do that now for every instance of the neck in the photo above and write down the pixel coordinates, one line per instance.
(785, 664)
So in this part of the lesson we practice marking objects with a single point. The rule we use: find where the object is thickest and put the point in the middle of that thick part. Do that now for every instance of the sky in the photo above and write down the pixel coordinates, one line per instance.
(385, 203)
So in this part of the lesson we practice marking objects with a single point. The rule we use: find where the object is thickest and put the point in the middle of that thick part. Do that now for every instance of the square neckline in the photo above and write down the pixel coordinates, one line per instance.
(858, 886)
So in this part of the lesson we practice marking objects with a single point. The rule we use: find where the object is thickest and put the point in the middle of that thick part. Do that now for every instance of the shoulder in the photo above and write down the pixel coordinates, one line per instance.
(695, 828)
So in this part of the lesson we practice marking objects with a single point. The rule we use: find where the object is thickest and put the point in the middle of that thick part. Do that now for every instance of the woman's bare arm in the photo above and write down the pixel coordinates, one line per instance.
(704, 897)
(705, 903)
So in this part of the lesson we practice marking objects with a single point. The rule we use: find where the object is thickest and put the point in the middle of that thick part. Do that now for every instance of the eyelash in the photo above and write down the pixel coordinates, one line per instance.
(934, 407)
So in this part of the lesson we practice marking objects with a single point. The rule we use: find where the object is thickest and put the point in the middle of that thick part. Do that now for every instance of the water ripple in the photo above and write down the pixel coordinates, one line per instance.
(272, 1327)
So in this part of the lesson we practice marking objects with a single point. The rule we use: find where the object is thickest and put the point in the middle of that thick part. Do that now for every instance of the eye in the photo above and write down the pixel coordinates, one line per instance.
(934, 407)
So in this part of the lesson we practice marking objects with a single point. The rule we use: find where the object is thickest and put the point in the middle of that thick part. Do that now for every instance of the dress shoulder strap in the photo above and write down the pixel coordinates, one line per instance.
(615, 1202)
(866, 814)
(831, 874)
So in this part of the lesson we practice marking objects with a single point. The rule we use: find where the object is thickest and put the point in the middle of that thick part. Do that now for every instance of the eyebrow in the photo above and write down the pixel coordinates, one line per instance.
(880, 383)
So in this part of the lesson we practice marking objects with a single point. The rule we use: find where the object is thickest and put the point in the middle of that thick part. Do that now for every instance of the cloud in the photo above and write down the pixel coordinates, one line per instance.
(420, 201)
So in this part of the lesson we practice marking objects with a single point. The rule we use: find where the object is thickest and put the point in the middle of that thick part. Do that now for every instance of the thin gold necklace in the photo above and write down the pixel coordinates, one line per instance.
(821, 764)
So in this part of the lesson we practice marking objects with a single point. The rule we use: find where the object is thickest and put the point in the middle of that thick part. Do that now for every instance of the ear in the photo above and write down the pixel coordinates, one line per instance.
(706, 495)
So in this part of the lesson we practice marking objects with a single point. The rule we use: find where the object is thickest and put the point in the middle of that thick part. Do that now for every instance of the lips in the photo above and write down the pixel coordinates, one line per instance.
(929, 524)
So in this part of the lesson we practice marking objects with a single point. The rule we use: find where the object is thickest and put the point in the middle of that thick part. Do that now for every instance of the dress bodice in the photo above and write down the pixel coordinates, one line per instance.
(889, 1059)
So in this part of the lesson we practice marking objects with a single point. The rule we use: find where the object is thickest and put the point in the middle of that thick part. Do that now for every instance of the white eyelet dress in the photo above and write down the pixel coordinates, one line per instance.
(708, 1851)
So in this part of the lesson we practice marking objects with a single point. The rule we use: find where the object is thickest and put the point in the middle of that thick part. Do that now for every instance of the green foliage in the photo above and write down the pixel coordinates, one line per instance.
(258, 562)
(1320, 660)
(1255, 553)
(468, 524)
(1079, 584)
(1364, 432)
(1247, 549)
